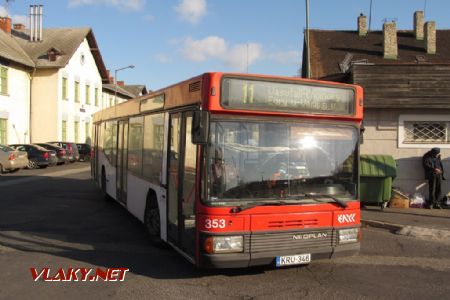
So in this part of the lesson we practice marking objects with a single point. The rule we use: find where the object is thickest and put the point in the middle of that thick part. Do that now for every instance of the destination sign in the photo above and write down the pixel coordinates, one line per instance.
(153, 103)
(248, 94)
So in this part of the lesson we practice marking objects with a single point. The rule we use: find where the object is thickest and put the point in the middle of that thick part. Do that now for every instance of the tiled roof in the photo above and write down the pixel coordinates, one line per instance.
(136, 90)
(66, 40)
(329, 48)
(11, 50)
(120, 90)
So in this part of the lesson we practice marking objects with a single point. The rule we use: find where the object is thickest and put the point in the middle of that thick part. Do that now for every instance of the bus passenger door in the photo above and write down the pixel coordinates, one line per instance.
(122, 159)
(94, 158)
(181, 183)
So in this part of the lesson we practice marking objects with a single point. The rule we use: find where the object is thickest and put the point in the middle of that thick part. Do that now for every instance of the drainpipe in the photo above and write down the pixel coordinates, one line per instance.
(30, 130)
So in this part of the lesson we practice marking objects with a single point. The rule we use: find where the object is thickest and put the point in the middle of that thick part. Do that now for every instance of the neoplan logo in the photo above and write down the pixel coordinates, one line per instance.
(347, 218)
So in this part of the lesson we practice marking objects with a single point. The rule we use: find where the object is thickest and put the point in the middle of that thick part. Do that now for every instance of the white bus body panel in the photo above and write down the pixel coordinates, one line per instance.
(137, 197)
(110, 174)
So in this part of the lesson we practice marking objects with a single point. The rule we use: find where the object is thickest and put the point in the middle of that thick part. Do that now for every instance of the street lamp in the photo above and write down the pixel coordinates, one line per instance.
(115, 80)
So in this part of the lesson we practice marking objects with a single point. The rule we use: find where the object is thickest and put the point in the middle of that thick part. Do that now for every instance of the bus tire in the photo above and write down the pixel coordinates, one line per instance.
(152, 220)
(105, 195)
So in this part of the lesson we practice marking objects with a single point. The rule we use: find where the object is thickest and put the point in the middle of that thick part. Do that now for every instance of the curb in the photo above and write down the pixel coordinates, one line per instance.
(411, 231)
(380, 224)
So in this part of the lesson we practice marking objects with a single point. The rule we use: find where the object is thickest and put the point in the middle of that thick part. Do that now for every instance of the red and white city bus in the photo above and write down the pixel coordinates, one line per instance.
(237, 170)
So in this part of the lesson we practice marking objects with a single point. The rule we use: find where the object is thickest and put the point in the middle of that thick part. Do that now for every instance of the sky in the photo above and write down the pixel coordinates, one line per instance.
(169, 41)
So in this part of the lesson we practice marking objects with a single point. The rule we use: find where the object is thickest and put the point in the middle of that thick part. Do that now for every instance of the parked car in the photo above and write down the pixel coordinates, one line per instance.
(37, 156)
(85, 151)
(61, 153)
(71, 150)
(12, 160)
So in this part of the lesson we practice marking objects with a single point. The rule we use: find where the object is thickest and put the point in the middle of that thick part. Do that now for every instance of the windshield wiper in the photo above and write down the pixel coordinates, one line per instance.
(314, 196)
(259, 203)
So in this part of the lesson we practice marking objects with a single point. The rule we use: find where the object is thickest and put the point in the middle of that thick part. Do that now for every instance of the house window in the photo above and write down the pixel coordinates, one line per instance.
(88, 94)
(64, 131)
(77, 91)
(87, 133)
(64, 88)
(111, 101)
(4, 80)
(424, 131)
(3, 131)
(96, 96)
(76, 129)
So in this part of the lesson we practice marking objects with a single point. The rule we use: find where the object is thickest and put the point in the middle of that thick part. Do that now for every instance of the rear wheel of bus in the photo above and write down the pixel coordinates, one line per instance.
(152, 220)
(105, 195)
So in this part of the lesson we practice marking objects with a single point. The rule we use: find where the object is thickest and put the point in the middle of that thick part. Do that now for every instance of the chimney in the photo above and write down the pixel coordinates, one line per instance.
(430, 37)
(390, 49)
(111, 79)
(5, 24)
(418, 25)
(19, 26)
(362, 25)
(121, 83)
(36, 13)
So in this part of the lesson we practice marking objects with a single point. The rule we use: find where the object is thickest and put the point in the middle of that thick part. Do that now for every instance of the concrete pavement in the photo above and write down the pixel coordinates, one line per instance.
(429, 224)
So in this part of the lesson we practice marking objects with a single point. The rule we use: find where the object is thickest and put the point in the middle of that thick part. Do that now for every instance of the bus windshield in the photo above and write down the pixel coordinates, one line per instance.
(263, 160)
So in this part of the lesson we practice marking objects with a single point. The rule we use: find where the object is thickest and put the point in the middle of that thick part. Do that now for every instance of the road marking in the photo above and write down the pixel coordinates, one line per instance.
(42, 176)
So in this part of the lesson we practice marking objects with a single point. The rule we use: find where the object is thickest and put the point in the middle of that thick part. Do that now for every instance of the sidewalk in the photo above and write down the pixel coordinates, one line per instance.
(415, 222)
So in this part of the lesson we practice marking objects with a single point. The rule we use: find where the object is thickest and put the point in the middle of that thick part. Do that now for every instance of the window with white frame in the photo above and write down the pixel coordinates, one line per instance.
(3, 131)
(3, 80)
(424, 131)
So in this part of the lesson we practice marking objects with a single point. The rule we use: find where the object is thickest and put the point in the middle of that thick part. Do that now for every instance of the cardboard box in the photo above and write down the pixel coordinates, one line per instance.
(398, 200)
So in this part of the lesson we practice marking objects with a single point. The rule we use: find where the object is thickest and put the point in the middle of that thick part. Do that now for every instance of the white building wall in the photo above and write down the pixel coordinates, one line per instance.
(84, 71)
(382, 136)
(15, 107)
(108, 98)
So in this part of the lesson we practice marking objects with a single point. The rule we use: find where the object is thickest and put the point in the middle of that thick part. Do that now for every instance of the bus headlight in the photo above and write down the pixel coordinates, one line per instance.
(224, 244)
(348, 235)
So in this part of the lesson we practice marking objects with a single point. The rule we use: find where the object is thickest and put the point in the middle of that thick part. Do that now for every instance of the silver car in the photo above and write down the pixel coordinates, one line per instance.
(12, 160)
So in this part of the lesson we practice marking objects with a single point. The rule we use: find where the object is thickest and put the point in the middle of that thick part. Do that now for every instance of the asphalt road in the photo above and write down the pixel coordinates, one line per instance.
(61, 222)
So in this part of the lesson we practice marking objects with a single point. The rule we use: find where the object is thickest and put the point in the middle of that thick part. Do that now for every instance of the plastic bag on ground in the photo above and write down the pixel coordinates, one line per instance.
(417, 201)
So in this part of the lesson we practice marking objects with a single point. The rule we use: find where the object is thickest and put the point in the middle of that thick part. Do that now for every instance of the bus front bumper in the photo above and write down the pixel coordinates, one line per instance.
(243, 260)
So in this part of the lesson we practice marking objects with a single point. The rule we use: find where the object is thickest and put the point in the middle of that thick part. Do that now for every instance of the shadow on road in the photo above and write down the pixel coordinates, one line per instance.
(67, 217)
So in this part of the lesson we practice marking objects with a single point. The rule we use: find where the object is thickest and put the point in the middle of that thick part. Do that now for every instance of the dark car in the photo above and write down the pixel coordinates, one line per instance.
(85, 151)
(71, 150)
(61, 153)
(37, 156)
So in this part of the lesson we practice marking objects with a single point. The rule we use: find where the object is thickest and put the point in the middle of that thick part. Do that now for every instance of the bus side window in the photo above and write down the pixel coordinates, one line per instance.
(153, 147)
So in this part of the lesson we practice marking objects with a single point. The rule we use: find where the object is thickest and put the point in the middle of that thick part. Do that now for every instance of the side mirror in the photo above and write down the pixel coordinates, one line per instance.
(200, 127)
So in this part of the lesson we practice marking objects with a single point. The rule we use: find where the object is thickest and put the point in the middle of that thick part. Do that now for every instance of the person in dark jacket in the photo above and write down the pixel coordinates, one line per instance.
(434, 173)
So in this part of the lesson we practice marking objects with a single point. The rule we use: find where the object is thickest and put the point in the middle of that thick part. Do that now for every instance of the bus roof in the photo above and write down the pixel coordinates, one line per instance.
(195, 91)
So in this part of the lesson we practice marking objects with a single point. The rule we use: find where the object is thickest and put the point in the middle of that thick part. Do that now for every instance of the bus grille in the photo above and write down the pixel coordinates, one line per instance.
(292, 241)
(293, 223)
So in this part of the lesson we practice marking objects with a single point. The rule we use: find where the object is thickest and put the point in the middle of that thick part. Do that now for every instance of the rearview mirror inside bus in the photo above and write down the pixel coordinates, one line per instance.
(200, 127)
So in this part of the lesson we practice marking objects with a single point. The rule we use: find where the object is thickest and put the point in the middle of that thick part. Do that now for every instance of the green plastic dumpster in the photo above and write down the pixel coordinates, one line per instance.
(376, 175)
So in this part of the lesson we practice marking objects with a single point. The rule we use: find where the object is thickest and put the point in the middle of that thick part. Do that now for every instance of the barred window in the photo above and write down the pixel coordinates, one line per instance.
(426, 132)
